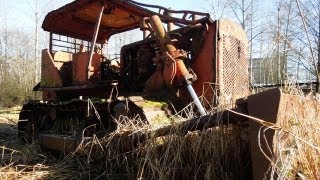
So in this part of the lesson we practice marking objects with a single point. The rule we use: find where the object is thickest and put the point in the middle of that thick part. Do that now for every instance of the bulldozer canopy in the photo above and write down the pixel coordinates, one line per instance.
(78, 18)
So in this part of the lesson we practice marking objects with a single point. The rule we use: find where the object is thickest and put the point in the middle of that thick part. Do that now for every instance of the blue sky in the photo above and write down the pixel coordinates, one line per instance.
(196, 5)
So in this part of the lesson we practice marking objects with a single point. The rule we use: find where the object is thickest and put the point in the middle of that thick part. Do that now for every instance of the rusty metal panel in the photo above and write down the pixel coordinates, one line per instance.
(265, 106)
(58, 143)
(61, 143)
(232, 62)
(77, 19)
(49, 71)
(204, 64)
(80, 61)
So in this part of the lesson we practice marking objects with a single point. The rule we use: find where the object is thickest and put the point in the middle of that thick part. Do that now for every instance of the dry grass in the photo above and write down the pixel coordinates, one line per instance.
(210, 154)
(297, 153)
(9, 116)
(26, 161)
(216, 153)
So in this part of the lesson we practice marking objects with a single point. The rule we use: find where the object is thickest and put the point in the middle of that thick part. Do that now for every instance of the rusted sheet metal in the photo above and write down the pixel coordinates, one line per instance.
(49, 71)
(282, 110)
(80, 70)
(59, 143)
(203, 66)
(265, 106)
(77, 19)
(65, 144)
(222, 63)
(55, 74)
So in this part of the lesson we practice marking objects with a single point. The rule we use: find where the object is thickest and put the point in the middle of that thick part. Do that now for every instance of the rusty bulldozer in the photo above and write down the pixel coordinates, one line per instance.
(84, 91)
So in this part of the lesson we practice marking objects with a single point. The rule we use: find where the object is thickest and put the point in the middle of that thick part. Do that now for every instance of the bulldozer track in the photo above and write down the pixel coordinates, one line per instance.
(38, 116)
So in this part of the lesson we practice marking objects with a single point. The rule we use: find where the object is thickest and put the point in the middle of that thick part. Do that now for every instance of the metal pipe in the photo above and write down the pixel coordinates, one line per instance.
(196, 100)
(144, 28)
(170, 23)
(170, 26)
(50, 42)
(169, 10)
(94, 40)
(194, 17)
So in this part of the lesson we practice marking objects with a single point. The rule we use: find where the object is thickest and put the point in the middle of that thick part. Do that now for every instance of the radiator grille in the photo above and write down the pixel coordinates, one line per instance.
(235, 76)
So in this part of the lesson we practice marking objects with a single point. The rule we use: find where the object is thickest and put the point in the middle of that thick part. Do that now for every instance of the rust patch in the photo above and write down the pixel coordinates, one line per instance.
(80, 71)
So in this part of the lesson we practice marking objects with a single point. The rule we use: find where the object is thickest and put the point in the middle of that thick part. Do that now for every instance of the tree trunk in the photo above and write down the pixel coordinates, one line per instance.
(318, 65)
(318, 48)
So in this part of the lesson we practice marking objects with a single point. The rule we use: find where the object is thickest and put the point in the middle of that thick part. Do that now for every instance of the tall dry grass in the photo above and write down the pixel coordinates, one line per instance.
(220, 152)
(297, 152)
(134, 152)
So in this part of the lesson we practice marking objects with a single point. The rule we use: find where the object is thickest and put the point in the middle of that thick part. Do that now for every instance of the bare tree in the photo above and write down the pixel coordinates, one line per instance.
(218, 8)
(18, 53)
(38, 11)
(301, 38)
(311, 24)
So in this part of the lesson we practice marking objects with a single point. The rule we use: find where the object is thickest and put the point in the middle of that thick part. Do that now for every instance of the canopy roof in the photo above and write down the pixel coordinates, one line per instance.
(78, 18)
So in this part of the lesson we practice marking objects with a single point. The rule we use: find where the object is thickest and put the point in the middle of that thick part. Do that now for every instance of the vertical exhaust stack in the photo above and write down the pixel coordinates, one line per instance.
(182, 73)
